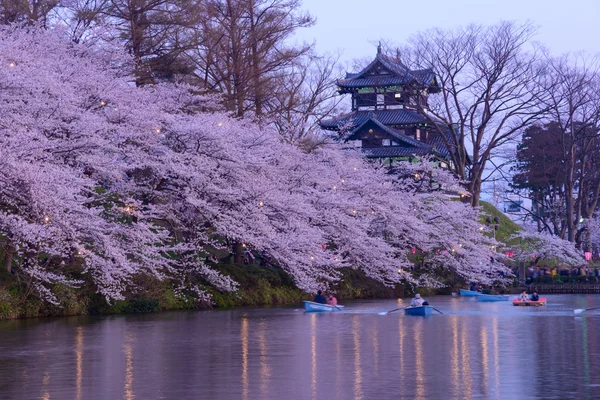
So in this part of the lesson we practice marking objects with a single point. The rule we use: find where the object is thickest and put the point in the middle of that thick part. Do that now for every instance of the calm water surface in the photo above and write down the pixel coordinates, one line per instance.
(473, 350)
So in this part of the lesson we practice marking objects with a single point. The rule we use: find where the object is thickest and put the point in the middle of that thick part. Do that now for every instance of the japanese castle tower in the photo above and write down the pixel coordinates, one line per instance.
(388, 119)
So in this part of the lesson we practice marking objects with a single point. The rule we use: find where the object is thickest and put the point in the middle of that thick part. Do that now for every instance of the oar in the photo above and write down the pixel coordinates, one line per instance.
(580, 310)
(436, 310)
(395, 309)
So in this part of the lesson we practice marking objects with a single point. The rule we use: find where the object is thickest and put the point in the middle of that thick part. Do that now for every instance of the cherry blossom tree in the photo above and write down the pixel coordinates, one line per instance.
(123, 181)
(541, 245)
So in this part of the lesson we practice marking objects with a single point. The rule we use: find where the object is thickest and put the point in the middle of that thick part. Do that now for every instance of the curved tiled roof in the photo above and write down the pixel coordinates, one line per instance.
(400, 75)
(386, 117)
(392, 132)
(393, 151)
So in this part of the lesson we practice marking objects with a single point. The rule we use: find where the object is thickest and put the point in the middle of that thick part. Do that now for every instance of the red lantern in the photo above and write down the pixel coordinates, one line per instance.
(588, 255)
(414, 250)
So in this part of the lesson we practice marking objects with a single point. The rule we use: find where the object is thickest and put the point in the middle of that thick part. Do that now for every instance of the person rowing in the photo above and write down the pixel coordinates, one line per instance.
(319, 298)
(418, 301)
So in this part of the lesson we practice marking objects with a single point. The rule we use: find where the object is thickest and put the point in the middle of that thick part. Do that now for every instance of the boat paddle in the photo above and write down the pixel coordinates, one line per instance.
(436, 310)
(391, 311)
(580, 310)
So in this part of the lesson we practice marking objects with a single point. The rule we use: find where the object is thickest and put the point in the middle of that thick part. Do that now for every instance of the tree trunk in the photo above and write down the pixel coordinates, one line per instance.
(238, 251)
(8, 257)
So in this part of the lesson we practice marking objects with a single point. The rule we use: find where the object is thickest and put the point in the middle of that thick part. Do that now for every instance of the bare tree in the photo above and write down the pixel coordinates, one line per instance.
(81, 17)
(26, 11)
(488, 90)
(304, 95)
(244, 49)
(157, 33)
(572, 85)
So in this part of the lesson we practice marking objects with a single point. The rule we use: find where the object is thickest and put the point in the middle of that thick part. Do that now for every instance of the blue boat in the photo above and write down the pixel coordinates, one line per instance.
(311, 306)
(421, 310)
(491, 297)
(468, 293)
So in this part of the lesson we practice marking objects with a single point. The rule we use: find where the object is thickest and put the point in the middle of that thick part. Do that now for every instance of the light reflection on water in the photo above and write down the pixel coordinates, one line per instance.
(356, 335)
(473, 350)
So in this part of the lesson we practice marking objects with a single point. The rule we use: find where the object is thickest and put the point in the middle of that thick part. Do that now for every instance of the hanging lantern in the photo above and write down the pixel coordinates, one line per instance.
(588, 255)
(413, 250)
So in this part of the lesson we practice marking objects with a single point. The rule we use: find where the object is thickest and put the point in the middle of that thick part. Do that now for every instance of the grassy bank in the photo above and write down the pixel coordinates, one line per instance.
(258, 286)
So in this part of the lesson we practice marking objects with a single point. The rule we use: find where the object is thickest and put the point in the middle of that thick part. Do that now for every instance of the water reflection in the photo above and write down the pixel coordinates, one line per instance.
(419, 358)
(313, 354)
(244, 337)
(265, 372)
(45, 382)
(401, 335)
(79, 361)
(484, 358)
(356, 335)
(454, 369)
(375, 344)
(496, 355)
(128, 350)
(472, 351)
(465, 362)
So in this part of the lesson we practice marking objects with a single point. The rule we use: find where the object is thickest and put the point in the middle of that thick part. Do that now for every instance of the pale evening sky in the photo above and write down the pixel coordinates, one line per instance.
(353, 26)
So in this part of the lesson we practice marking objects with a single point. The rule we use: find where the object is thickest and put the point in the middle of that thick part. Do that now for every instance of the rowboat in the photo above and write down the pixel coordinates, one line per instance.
(540, 302)
(420, 310)
(468, 293)
(311, 306)
(491, 297)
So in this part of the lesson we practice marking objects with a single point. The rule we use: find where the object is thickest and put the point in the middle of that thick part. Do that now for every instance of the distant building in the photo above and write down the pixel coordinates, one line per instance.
(388, 118)
(517, 208)
(512, 206)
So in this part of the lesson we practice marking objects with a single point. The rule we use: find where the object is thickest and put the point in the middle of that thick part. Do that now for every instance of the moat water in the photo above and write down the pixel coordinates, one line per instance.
(472, 350)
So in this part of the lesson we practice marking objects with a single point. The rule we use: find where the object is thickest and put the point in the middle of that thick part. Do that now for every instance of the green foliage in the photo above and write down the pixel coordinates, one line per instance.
(356, 285)
(506, 226)
(72, 302)
(258, 286)
(170, 301)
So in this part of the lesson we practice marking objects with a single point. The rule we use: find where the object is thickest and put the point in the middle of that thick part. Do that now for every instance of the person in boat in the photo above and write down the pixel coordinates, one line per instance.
(535, 296)
(473, 287)
(319, 298)
(332, 301)
(523, 296)
(417, 301)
